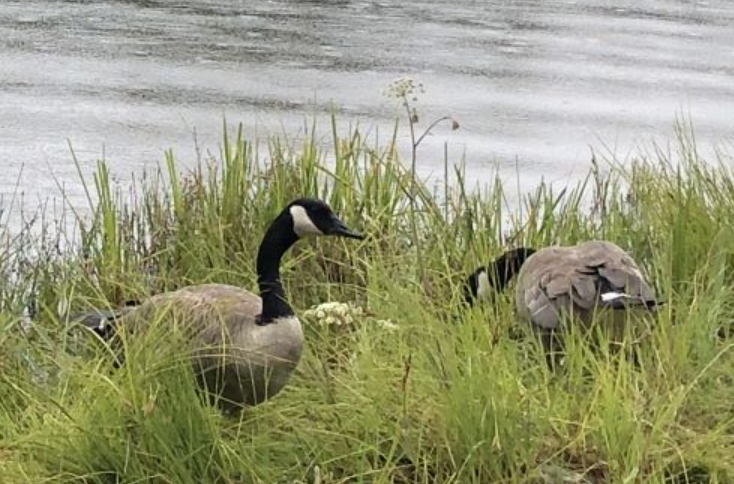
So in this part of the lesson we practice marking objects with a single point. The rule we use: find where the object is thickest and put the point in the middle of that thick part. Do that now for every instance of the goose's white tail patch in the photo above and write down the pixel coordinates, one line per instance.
(610, 296)
(302, 223)
(484, 288)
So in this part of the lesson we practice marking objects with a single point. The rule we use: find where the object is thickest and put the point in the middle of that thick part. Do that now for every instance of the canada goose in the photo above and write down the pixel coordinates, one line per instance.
(260, 336)
(554, 281)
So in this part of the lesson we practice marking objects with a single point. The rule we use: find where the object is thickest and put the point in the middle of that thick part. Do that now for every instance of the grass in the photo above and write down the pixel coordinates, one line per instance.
(446, 395)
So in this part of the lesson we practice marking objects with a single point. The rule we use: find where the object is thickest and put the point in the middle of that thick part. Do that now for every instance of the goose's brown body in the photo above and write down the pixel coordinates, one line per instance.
(573, 279)
(238, 359)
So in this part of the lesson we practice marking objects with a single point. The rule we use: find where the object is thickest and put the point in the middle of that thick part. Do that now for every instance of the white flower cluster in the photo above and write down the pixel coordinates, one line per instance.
(386, 324)
(344, 315)
(334, 313)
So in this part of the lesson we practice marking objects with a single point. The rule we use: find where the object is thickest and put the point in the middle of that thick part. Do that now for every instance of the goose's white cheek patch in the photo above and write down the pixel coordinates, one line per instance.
(483, 286)
(302, 223)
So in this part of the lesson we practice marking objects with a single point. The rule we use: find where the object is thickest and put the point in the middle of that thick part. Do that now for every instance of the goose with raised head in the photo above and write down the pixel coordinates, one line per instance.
(576, 280)
(246, 346)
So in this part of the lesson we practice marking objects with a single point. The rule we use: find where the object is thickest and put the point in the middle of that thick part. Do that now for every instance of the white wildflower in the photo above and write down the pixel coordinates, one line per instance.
(386, 324)
(331, 306)
(335, 313)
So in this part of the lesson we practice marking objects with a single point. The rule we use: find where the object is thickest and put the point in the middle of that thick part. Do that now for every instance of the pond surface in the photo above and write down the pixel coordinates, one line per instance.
(534, 83)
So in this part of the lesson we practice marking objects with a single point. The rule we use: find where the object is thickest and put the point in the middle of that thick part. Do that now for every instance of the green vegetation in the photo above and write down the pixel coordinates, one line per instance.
(417, 388)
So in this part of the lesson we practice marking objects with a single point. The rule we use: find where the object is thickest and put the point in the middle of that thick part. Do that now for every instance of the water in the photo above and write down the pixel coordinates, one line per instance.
(534, 83)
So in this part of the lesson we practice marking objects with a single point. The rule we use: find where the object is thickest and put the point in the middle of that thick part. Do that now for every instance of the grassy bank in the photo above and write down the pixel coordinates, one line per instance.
(417, 389)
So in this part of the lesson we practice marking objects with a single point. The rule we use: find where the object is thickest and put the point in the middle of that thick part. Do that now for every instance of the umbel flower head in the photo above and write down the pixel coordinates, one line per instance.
(342, 314)
(334, 313)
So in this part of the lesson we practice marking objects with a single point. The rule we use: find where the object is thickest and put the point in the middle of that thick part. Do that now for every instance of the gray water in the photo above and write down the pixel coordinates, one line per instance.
(533, 83)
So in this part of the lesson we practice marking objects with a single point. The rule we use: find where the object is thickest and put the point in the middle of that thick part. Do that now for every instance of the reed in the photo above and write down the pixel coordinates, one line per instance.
(418, 388)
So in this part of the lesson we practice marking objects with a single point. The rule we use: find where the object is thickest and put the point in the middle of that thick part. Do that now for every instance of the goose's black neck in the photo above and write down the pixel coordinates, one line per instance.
(499, 272)
(276, 242)
(504, 268)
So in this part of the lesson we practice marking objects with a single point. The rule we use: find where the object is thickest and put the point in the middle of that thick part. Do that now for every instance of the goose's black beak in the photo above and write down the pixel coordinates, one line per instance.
(339, 228)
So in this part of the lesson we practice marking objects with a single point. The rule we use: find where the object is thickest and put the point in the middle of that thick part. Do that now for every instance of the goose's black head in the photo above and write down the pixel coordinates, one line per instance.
(302, 217)
(493, 278)
(312, 216)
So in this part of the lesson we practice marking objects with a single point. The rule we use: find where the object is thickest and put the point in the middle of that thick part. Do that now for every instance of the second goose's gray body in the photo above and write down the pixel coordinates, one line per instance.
(579, 279)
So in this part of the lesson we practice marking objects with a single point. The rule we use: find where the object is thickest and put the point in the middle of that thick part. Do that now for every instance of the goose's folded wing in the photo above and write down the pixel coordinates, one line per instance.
(546, 297)
(623, 274)
(584, 290)
(616, 270)
(560, 289)
(540, 309)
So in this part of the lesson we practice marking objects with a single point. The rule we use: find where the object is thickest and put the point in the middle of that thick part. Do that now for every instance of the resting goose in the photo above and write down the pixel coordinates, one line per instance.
(577, 280)
(260, 336)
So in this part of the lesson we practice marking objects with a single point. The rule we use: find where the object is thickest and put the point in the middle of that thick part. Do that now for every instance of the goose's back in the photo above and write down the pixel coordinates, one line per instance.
(203, 310)
(572, 277)
(253, 361)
